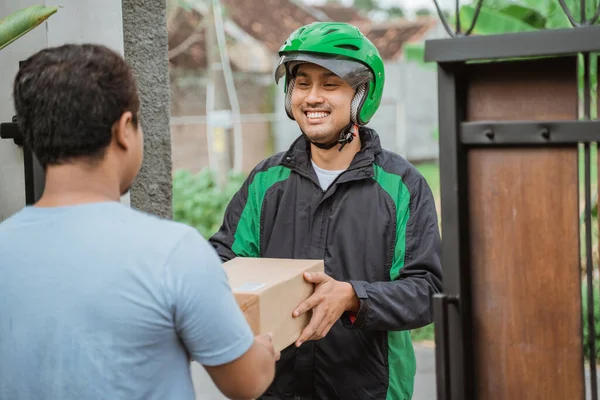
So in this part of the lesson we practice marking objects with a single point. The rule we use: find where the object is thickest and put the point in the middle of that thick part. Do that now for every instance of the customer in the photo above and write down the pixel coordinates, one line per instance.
(100, 301)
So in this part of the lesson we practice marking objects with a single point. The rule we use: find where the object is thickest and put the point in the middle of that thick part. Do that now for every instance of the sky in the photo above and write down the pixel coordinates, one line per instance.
(409, 5)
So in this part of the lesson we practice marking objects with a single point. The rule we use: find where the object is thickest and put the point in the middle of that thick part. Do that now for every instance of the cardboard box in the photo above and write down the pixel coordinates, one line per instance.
(268, 290)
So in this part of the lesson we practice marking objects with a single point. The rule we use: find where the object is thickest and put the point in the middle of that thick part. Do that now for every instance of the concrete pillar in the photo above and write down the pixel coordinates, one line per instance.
(145, 38)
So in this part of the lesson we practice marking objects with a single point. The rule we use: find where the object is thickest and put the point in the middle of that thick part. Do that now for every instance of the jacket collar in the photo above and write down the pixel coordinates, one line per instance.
(298, 155)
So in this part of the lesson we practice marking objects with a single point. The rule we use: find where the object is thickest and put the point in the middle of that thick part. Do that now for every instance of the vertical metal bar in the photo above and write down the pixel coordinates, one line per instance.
(464, 307)
(442, 18)
(457, 10)
(442, 367)
(35, 178)
(475, 16)
(588, 231)
(589, 270)
(568, 13)
(455, 248)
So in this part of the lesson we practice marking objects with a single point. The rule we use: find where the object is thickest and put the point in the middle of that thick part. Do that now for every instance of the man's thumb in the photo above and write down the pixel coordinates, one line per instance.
(314, 277)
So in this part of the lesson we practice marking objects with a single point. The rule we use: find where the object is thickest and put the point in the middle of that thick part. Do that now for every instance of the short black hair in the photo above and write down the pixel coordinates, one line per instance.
(67, 99)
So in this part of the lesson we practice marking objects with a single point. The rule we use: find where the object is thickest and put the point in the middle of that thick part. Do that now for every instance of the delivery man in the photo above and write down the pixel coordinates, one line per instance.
(100, 301)
(337, 195)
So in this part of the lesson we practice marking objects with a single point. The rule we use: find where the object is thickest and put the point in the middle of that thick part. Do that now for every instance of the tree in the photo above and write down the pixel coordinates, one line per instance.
(423, 12)
(513, 16)
(395, 12)
(366, 5)
(509, 16)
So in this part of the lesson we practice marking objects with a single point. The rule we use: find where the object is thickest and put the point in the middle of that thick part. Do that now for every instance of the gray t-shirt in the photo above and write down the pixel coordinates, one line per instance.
(326, 176)
(100, 301)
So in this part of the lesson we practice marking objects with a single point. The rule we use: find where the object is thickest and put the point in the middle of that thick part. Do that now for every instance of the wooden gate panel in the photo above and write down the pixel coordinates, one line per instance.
(523, 210)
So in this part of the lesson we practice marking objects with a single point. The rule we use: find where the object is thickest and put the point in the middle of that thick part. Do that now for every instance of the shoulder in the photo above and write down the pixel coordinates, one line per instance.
(268, 172)
(157, 231)
(276, 160)
(392, 169)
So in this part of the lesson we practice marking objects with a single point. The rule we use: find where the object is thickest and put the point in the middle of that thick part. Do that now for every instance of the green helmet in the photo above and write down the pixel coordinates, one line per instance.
(345, 51)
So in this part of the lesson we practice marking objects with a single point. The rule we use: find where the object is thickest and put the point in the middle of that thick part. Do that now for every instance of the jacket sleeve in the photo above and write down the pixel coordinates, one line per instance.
(239, 233)
(405, 302)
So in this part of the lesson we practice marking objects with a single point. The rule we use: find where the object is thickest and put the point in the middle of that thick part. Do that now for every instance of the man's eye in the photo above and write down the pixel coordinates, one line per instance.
(302, 84)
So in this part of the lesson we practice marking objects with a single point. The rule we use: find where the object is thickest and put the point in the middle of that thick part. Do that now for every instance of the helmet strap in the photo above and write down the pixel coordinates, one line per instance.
(347, 135)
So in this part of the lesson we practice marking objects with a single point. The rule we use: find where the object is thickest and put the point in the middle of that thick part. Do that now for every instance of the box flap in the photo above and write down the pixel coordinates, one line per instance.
(255, 275)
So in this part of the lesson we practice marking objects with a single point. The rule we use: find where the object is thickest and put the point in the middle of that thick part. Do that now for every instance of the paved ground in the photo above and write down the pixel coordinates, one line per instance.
(425, 379)
(424, 382)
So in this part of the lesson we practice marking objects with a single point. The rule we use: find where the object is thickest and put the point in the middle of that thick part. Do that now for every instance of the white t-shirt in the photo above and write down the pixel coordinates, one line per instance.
(326, 176)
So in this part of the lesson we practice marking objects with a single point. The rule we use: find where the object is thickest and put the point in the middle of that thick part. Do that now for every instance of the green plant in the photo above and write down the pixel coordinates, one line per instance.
(22, 21)
(586, 336)
(507, 16)
(199, 202)
(425, 333)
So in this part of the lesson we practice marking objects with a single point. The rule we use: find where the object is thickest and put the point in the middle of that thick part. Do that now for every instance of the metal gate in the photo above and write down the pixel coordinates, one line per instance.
(514, 118)
(32, 169)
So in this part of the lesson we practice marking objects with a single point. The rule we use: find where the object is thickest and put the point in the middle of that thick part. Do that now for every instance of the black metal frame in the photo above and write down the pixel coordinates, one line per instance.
(513, 45)
(452, 308)
(34, 172)
(535, 133)
(35, 176)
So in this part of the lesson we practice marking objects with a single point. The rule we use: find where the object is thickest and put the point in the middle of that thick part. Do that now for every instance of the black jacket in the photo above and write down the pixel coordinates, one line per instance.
(376, 227)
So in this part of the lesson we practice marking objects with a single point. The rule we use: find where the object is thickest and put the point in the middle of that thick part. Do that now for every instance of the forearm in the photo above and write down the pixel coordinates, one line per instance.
(246, 377)
(398, 305)
(405, 302)
(220, 243)
(263, 371)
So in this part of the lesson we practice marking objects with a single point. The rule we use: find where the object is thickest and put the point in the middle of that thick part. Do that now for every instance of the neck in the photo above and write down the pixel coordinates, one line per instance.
(333, 159)
(72, 184)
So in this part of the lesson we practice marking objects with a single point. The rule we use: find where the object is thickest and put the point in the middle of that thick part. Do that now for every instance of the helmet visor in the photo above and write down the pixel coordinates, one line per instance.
(353, 72)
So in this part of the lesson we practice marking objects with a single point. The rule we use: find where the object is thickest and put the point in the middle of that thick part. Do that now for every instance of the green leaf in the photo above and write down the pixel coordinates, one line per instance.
(526, 14)
(22, 21)
(543, 7)
(557, 19)
(492, 22)
(414, 52)
(199, 202)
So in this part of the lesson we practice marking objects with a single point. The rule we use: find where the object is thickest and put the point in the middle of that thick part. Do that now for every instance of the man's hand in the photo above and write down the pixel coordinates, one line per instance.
(267, 341)
(329, 301)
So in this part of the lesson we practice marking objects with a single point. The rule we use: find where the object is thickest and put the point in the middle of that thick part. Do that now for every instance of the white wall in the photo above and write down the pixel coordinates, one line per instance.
(76, 21)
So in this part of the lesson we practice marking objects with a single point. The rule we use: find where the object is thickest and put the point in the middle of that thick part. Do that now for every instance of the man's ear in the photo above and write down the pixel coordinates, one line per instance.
(121, 131)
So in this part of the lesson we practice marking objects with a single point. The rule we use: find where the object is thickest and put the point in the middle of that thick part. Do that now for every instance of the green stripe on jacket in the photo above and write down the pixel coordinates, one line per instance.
(401, 356)
(246, 240)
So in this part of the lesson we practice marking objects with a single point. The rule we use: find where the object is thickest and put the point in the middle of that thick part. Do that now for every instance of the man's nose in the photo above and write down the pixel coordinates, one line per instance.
(314, 96)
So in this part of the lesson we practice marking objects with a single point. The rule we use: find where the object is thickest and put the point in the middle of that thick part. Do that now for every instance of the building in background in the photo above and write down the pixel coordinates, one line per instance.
(406, 119)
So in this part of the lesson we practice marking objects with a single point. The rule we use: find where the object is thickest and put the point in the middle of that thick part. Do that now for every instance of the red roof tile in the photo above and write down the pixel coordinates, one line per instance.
(272, 21)
(341, 13)
(269, 21)
(389, 38)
